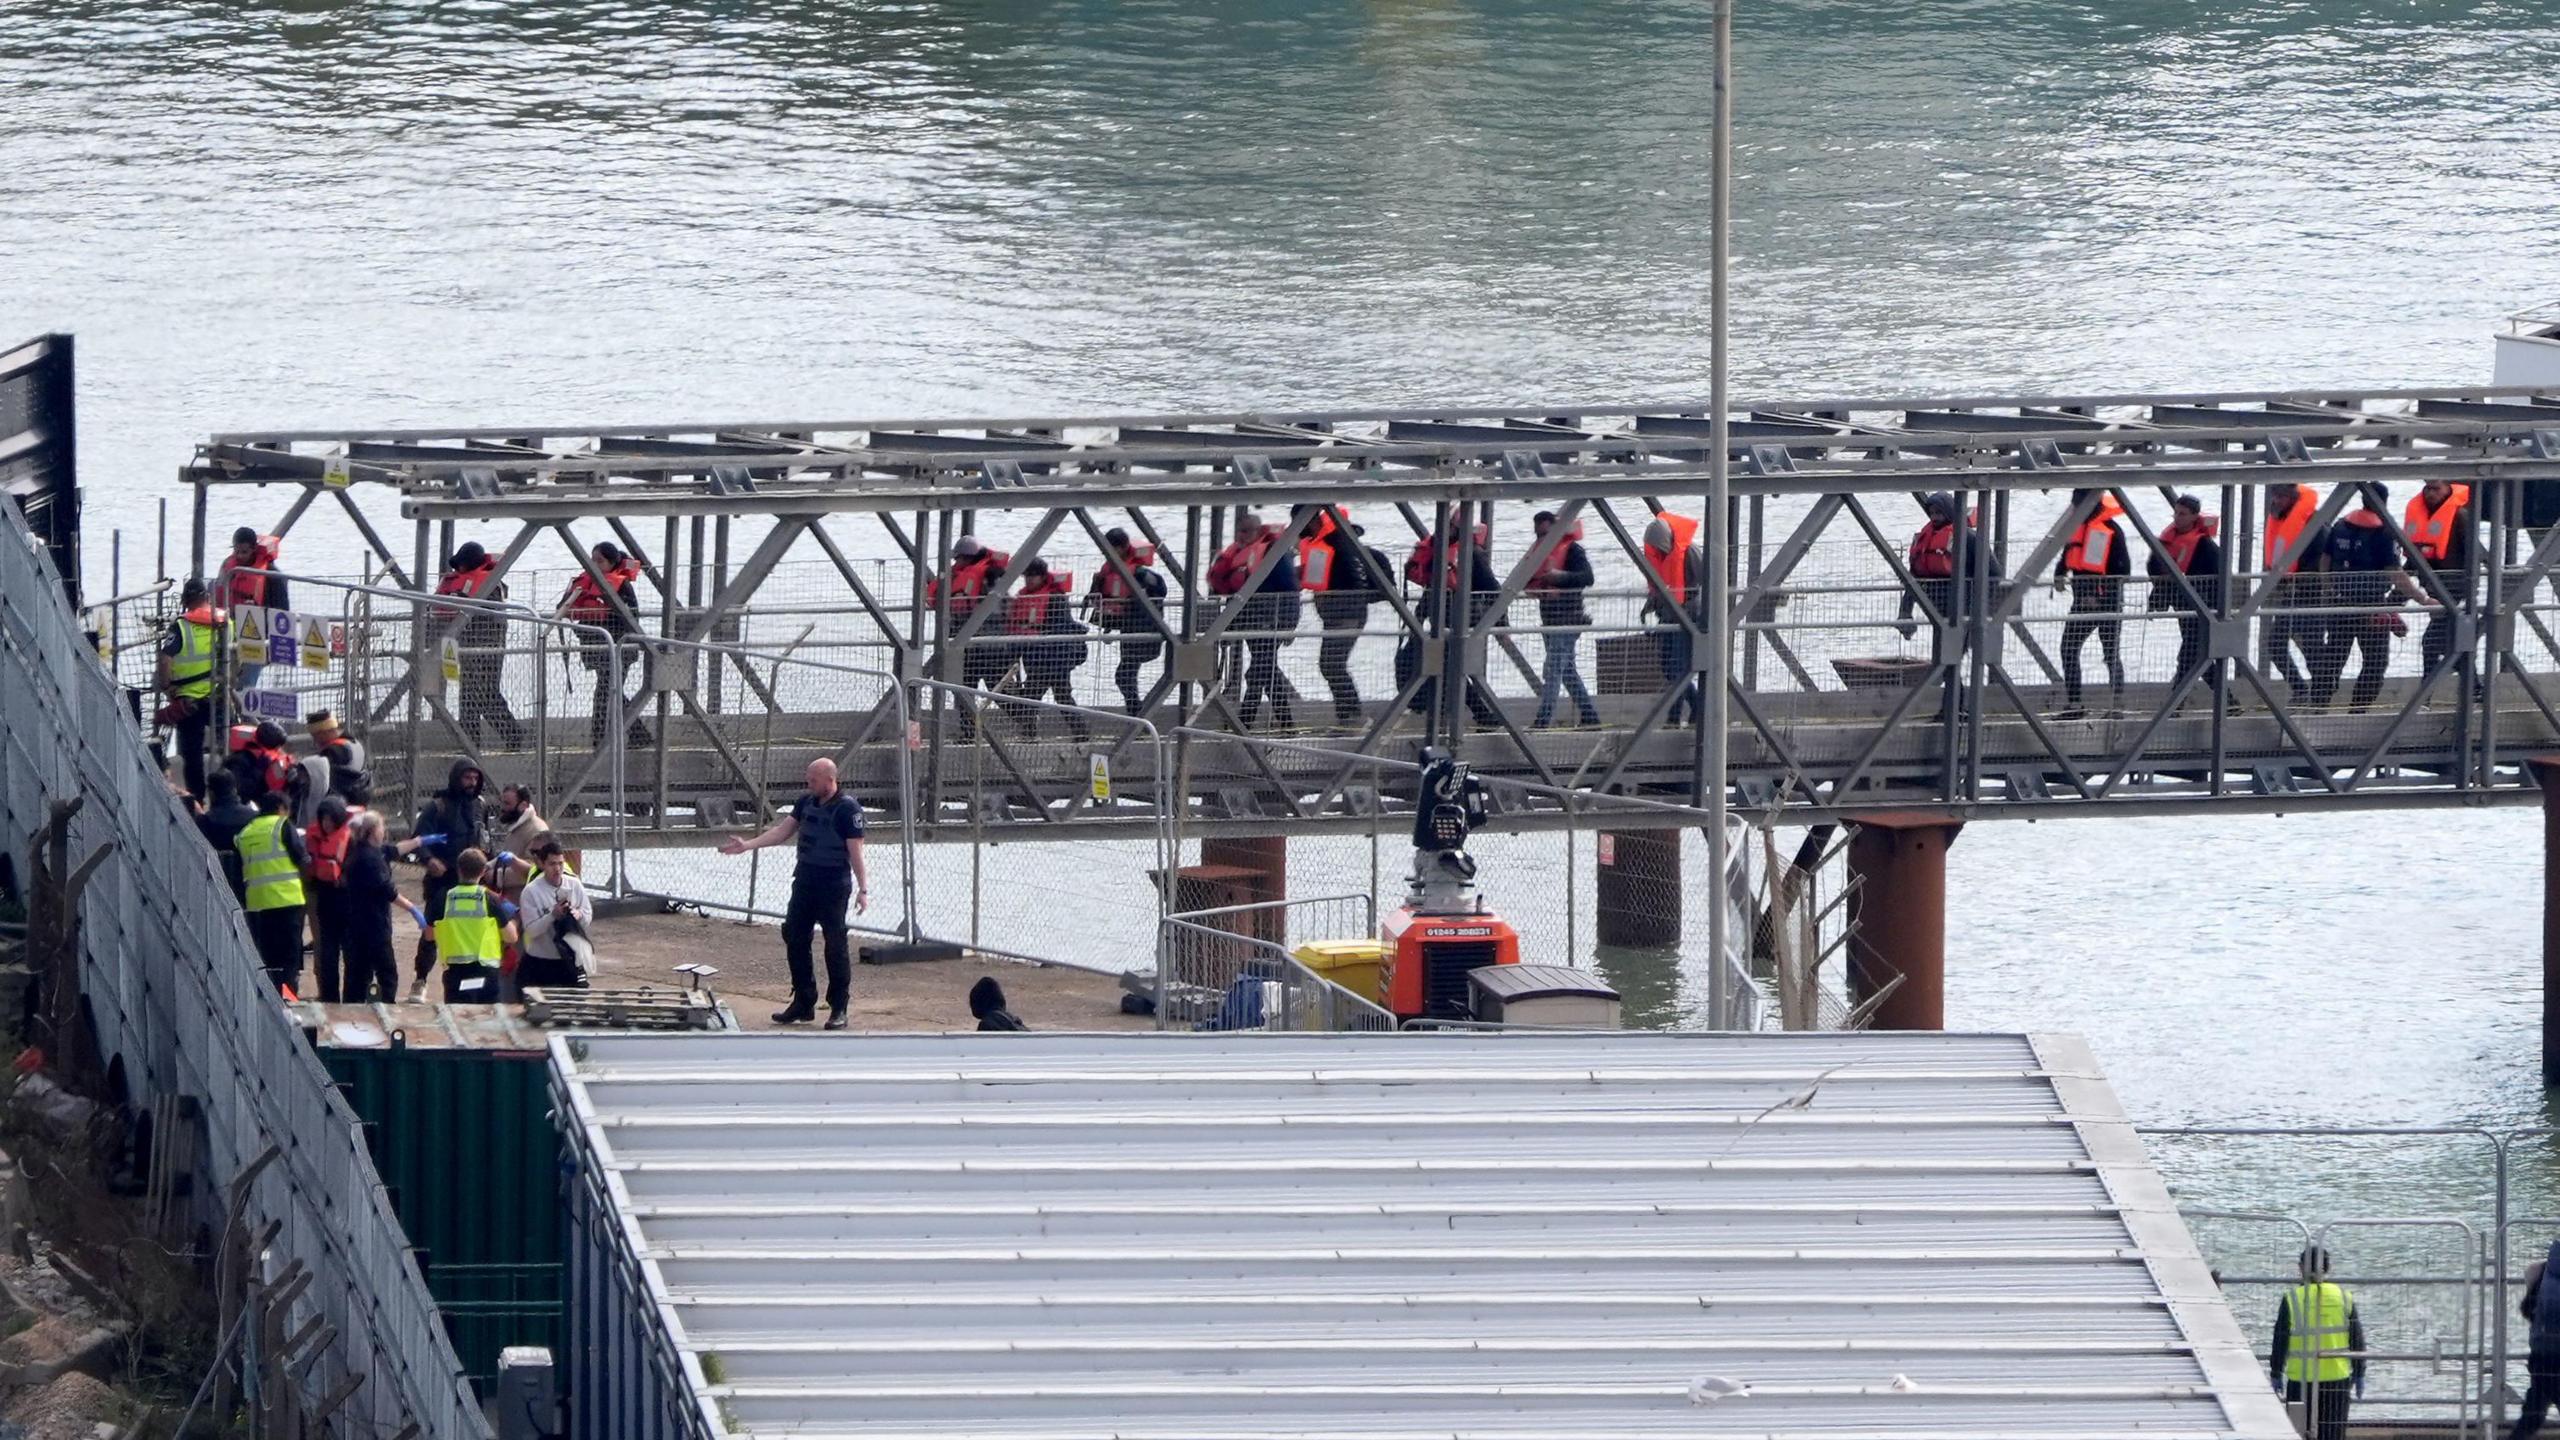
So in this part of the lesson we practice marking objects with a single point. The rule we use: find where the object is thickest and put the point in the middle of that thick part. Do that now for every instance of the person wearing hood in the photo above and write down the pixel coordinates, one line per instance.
(987, 1005)
(976, 573)
(1562, 578)
(473, 575)
(2188, 547)
(450, 824)
(2359, 567)
(1940, 555)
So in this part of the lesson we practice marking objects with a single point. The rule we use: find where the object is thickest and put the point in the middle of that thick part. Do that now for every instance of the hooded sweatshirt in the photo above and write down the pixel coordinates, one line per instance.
(454, 815)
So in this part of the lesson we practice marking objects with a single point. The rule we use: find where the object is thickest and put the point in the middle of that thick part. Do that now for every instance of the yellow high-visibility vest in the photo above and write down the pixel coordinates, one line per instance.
(191, 669)
(2316, 1344)
(468, 934)
(274, 882)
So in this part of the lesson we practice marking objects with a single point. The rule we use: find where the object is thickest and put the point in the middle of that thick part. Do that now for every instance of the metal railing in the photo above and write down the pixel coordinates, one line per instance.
(1233, 967)
(181, 1010)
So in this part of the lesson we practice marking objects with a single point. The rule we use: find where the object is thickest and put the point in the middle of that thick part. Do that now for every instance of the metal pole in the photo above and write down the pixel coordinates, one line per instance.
(1719, 498)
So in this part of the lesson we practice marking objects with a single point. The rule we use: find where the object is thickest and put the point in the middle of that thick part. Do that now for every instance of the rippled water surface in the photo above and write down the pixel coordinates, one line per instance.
(263, 214)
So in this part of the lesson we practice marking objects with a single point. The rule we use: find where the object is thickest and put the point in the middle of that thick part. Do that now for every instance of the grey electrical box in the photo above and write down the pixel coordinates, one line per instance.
(1542, 995)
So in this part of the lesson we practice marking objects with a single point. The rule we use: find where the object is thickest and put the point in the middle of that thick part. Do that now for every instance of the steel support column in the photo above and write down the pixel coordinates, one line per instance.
(2546, 772)
(1898, 917)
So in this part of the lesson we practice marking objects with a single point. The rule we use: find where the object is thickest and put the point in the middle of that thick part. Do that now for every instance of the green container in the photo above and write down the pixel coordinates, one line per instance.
(463, 1140)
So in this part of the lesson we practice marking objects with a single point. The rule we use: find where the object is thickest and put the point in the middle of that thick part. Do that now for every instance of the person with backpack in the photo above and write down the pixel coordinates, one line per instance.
(2541, 1310)
(1114, 605)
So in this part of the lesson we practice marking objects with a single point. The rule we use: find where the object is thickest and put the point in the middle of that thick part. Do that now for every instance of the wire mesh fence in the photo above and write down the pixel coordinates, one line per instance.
(1235, 967)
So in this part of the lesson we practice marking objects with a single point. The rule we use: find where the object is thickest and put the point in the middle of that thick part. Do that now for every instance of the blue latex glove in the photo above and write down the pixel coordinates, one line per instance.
(417, 913)
(428, 842)
(505, 859)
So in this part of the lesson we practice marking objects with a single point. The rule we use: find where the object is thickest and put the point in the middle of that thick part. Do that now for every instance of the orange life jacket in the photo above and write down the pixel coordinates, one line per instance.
(586, 602)
(328, 851)
(968, 582)
(2091, 543)
(1554, 563)
(2285, 529)
(1114, 591)
(207, 615)
(1315, 556)
(469, 584)
(233, 588)
(1673, 569)
(1027, 613)
(1235, 564)
(2181, 544)
(2432, 530)
(1418, 566)
(1933, 551)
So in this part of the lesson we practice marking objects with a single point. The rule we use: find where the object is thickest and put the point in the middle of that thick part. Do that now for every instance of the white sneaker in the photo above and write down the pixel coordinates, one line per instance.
(417, 991)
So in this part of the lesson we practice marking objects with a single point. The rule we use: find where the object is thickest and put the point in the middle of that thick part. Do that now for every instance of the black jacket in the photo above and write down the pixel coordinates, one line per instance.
(454, 815)
(2204, 572)
(221, 826)
(1559, 592)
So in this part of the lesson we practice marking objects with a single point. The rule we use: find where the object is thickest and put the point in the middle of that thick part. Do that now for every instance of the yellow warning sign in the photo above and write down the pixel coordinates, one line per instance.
(1101, 777)
(315, 645)
(333, 473)
(452, 660)
(249, 634)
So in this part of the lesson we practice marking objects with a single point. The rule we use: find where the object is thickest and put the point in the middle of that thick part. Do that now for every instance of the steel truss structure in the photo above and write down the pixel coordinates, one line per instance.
(1984, 720)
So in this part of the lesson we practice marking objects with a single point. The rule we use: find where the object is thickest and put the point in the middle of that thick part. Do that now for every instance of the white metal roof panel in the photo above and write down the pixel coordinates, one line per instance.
(1339, 1237)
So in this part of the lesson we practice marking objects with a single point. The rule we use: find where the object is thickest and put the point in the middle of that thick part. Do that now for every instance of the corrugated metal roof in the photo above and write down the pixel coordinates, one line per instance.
(1388, 1237)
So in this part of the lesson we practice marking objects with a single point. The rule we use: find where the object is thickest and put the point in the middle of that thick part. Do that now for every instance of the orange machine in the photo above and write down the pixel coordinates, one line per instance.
(1430, 955)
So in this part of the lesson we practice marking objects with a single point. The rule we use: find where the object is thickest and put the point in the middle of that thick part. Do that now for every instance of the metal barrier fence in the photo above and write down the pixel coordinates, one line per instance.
(1234, 967)
(181, 1013)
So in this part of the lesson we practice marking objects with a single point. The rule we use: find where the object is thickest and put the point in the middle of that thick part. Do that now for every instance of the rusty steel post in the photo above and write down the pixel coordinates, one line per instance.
(2546, 773)
(1898, 916)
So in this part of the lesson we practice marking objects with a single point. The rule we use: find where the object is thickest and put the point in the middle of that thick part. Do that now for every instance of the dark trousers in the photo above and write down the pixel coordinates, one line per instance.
(2352, 633)
(1262, 678)
(984, 663)
(278, 936)
(2540, 1394)
(549, 973)
(1342, 625)
(1135, 655)
(437, 887)
(2328, 1408)
(2285, 633)
(372, 970)
(191, 737)
(472, 985)
(2095, 603)
(818, 902)
(329, 920)
(1043, 685)
(1676, 649)
(600, 660)
(484, 698)
(2437, 642)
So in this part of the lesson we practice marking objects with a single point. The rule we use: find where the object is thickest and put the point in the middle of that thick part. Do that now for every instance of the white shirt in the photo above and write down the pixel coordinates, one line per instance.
(535, 911)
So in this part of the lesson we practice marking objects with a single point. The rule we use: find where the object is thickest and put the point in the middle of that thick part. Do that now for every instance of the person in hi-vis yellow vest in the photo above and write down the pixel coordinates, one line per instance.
(2319, 1349)
(473, 933)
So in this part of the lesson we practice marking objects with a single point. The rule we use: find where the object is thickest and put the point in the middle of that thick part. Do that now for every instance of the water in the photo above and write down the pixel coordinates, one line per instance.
(466, 213)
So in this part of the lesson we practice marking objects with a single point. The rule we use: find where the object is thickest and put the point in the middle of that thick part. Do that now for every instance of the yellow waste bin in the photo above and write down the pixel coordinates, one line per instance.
(1359, 966)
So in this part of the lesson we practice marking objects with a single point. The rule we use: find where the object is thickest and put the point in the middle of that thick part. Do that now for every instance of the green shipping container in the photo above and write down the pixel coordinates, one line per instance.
(464, 1141)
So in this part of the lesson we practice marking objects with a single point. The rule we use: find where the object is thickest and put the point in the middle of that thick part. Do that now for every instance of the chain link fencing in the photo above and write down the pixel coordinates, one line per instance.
(190, 1037)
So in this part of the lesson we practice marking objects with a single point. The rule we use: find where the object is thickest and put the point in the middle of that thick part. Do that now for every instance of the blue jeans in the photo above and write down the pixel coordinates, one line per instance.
(1678, 670)
(1563, 675)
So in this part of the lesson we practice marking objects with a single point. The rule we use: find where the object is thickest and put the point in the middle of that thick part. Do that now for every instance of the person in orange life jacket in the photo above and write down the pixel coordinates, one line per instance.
(1113, 604)
(1343, 575)
(1940, 555)
(1268, 618)
(2294, 585)
(326, 839)
(1680, 564)
(1561, 578)
(1048, 645)
(473, 575)
(1434, 566)
(590, 601)
(2358, 561)
(2440, 528)
(2093, 568)
(240, 582)
(2188, 548)
(976, 573)
(189, 655)
(260, 767)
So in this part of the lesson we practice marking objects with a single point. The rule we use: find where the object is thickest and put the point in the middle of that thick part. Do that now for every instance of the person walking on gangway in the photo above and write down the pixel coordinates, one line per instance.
(825, 825)
(2294, 586)
(2359, 563)
(1049, 646)
(2319, 1347)
(2541, 1310)
(1114, 606)
(1330, 570)
(2441, 530)
(482, 654)
(1269, 618)
(2093, 568)
(2188, 548)
(1562, 578)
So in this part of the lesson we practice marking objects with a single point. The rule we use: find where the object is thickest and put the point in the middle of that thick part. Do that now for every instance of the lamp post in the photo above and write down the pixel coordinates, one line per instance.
(1719, 620)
